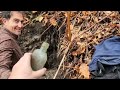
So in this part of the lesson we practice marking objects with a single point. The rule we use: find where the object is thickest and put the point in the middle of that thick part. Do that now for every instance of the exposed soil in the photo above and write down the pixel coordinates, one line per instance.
(32, 38)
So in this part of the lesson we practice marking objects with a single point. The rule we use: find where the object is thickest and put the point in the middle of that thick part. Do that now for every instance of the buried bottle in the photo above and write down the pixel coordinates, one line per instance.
(39, 56)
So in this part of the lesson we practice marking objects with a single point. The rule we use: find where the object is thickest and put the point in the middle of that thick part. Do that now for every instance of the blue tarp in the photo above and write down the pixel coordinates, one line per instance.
(107, 52)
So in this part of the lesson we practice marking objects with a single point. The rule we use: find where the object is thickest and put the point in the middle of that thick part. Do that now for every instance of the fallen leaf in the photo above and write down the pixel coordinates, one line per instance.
(77, 68)
(113, 25)
(83, 17)
(81, 50)
(34, 11)
(82, 35)
(84, 71)
(113, 15)
(99, 35)
(86, 13)
(78, 43)
(107, 12)
(107, 33)
(95, 40)
(39, 18)
(94, 12)
(79, 20)
(96, 19)
(72, 14)
(53, 22)
(74, 53)
(46, 20)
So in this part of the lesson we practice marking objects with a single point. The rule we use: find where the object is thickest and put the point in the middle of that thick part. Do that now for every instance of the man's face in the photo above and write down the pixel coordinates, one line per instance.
(15, 23)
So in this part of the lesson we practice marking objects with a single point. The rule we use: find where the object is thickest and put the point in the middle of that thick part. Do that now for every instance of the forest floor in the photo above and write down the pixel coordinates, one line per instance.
(71, 42)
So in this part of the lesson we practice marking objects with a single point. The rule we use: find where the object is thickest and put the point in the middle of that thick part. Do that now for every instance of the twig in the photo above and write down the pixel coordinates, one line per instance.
(64, 24)
(62, 60)
(68, 31)
(45, 30)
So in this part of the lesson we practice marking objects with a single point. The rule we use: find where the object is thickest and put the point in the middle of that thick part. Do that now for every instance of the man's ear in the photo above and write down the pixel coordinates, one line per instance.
(4, 20)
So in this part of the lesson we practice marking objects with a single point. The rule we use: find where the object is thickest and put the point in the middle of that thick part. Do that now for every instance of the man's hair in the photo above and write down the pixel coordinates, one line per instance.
(8, 14)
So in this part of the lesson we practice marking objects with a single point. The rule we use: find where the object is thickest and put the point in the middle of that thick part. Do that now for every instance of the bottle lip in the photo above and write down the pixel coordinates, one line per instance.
(45, 44)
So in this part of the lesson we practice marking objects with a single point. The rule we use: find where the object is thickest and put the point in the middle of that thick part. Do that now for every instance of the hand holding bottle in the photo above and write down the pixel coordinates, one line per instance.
(22, 69)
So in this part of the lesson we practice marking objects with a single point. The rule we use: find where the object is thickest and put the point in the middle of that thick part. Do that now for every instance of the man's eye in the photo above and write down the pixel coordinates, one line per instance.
(16, 21)
(22, 22)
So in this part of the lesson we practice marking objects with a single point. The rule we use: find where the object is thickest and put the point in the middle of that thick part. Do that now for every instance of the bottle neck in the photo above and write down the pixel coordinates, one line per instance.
(43, 49)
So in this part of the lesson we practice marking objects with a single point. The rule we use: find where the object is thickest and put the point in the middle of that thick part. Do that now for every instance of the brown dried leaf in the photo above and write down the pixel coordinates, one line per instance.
(84, 71)
(107, 12)
(83, 49)
(79, 20)
(39, 18)
(94, 12)
(78, 43)
(113, 25)
(113, 15)
(46, 20)
(80, 50)
(95, 40)
(34, 11)
(99, 35)
(53, 22)
(74, 53)
(72, 14)
(77, 68)
(83, 17)
(86, 13)
(82, 35)
(107, 33)
(96, 19)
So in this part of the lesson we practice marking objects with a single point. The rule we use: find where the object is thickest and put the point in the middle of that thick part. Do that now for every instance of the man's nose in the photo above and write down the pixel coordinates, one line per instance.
(20, 25)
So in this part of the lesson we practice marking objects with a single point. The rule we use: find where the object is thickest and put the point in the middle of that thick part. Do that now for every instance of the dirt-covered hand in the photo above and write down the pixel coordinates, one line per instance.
(22, 69)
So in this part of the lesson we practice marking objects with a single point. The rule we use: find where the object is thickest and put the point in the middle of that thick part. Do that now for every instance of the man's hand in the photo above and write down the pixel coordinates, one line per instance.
(22, 69)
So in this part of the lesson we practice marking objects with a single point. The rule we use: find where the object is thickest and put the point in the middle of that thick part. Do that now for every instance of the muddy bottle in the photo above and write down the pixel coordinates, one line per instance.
(39, 57)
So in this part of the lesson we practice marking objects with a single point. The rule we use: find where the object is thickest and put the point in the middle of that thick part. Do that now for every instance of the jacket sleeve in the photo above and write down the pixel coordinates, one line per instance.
(5, 59)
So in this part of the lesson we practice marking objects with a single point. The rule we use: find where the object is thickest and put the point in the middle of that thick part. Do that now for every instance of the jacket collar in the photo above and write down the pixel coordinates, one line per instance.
(10, 33)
